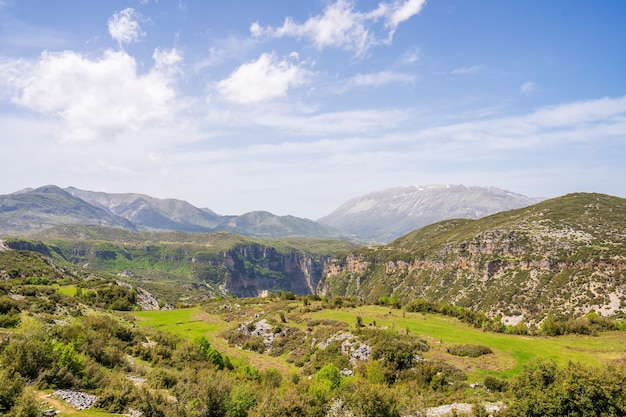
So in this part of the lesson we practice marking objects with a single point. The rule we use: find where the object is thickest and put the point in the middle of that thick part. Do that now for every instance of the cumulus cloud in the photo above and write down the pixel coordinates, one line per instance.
(96, 99)
(267, 78)
(124, 26)
(381, 78)
(342, 26)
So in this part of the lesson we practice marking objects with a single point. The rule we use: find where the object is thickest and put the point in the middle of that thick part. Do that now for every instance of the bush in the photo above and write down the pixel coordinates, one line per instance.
(495, 384)
(331, 374)
(255, 344)
(542, 389)
(468, 350)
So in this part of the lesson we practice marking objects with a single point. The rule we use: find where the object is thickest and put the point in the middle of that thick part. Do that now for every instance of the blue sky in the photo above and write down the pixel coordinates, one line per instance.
(296, 106)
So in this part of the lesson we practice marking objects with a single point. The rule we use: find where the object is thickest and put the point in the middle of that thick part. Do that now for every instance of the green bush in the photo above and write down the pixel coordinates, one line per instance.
(495, 384)
(468, 350)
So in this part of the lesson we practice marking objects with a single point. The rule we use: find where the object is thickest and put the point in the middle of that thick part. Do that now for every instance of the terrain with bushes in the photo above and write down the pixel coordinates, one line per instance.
(564, 256)
(98, 321)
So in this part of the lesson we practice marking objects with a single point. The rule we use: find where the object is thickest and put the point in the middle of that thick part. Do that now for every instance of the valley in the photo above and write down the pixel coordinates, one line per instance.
(511, 314)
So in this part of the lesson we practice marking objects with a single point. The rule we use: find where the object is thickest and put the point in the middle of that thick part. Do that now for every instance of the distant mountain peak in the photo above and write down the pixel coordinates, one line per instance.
(384, 215)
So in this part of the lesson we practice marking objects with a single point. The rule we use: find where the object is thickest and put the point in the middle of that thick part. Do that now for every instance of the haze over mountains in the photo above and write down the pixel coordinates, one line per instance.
(388, 214)
(380, 216)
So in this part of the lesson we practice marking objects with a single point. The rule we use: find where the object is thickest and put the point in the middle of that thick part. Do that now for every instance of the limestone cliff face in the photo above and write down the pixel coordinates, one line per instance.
(566, 255)
(251, 270)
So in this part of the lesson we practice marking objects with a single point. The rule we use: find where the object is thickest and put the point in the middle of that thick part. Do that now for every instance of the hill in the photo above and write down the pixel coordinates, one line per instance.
(384, 215)
(188, 267)
(565, 255)
(32, 210)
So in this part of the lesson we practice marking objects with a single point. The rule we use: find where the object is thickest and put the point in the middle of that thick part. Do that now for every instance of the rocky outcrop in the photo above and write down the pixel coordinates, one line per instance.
(78, 400)
(564, 255)
(254, 269)
(145, 300)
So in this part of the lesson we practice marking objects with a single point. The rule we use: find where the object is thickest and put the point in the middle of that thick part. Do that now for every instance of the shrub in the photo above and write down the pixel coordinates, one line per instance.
(469, 350)
(495, 384)
(331, 374)
(254, 344)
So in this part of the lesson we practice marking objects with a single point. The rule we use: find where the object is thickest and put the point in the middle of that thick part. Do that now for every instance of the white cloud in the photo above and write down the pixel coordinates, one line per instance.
(381, 78)
(584, 121)
(397, 12)
(467, 70)
(124, 26)
(528, 87)
(581, 112)
(96, 99)
(342, 26)
(267, 78)
(335, 123)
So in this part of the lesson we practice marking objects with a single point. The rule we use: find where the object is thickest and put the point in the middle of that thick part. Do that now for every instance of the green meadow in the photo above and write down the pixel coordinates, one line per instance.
(510, 352)
(189, 323)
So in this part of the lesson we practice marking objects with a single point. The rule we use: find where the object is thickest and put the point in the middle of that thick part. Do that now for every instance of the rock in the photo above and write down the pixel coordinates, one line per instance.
(78, 400)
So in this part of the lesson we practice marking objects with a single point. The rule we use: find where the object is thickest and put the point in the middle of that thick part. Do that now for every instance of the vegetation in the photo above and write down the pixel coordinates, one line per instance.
(563, 256)
(382, 352)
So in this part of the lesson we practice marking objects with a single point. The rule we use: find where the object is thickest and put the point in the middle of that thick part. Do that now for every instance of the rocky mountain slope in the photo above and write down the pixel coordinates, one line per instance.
(150, 212)
(384, 215)
(564, 255)
(32, 210)
(178, 265)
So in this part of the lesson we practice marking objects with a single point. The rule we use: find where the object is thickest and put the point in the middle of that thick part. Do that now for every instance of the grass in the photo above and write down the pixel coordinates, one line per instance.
(69, 290)
(510, 352)
(191, 323)
(182, 322)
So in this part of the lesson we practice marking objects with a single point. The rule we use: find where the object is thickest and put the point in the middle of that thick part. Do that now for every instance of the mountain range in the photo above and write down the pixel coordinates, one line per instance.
(564, 255)
(32, 210)
(376, 217)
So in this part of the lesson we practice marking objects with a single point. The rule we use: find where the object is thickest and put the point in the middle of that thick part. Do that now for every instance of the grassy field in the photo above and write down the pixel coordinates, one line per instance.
(69, 290)
(191, 323)
(510, 352)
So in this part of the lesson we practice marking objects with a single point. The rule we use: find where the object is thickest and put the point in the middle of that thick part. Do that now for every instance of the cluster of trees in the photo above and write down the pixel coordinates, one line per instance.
(543, 389)
(552, 325)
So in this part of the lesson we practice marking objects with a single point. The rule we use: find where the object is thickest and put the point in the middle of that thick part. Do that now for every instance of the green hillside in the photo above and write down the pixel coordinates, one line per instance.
(565, 255)
(181, 267)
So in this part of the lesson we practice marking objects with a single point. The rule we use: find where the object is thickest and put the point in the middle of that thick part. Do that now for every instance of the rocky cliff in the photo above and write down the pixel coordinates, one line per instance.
(191, 266)
(251, 270)
(564, 255)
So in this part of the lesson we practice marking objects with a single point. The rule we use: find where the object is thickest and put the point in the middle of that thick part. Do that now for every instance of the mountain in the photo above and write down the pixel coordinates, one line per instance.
(150, 212)
(382, 216)
(31, 210)
(264, 224)
(564, 255)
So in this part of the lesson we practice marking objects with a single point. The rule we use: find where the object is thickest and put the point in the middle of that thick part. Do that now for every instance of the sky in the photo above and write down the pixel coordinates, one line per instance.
(294, 107)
